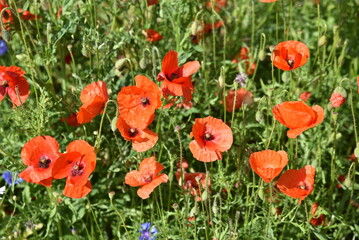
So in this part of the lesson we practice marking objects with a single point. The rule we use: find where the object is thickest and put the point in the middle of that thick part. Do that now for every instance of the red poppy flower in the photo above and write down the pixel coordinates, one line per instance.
(152, 35)
(71, 120)
(298, 116)
(13, 83)
(243, 97)
(297, 183)
(40, 155)
(242, 56)
(151, 2)
(147, 177)
(93, 97)
(305, 95)
(268, 163)
(177, 80)
(211, 137)
(26, 15)
(267, 1)
(137, 104)
(337, 99)
(76, 165)
(195, 183)
(217, 5)
(290, 55)
(317, 220)
(142, 139)
(7, 15)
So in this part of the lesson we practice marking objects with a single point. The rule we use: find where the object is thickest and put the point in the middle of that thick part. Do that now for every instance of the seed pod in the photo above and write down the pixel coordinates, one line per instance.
(322, 41)
(143, 63)
(262, 55)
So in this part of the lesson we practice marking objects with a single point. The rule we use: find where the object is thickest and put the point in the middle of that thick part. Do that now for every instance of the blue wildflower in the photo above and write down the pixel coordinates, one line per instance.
(3, 47)
(148, 232)
(10, 176)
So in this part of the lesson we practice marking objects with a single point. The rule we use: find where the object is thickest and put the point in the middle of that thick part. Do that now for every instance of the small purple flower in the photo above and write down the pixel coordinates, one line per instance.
(241, 79)
(10, 176)
(148, 232)
(3, 47)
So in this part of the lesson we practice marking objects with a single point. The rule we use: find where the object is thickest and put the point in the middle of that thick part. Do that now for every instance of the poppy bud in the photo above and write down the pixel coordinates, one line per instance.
(262, 55)
(45, 5)
(215, 208)
(120, 63)
(175, 206)
(335, 116)
(111, 194)
(285, 76)
(271, 48)
(356, 151)
(143, 63)
(322, 41)
(259, 117)
(6, 35)
(113, 124)
(193, 212)
(194, 28)
(221, 81)
(338, 97)
(85, 51)
(204, 195)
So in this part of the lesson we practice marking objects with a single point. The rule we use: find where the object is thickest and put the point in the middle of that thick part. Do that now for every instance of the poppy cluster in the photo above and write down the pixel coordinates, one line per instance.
(147, 178)
(45, 163)
(14, 84)
(137, 105)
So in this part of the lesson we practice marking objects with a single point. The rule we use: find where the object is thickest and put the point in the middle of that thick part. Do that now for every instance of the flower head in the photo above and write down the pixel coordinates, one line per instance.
(338, 97)
(11, 178)
(142, 139)
(177, 81)
(137, 104)
(147, 177)
(290, 55)
(316, 218)
(153, 35)
(93, 97)
(148, 231)
(297, 183)
(151, 2)
(298, 116)
(242, 57)
(14, 84)
(305, 95)
(39, 154)
(268, 163)
(76, 165)
(243, 97)
(211, 137)
(195, 183)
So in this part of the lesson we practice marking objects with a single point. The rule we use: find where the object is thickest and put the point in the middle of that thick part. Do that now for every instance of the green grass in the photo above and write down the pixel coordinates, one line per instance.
(98, 33)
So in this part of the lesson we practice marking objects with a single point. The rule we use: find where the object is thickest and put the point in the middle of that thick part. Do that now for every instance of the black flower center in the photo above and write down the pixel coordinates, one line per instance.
(77, 169)
(208, 137)
(172, 76)
(290, 63)
(44, 162)
(145, 101)
(132, 132)
(147, 178)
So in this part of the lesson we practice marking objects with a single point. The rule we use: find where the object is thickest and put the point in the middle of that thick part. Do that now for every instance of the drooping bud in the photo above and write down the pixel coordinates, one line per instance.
(322, 41)
(262, 55)
(338, 97)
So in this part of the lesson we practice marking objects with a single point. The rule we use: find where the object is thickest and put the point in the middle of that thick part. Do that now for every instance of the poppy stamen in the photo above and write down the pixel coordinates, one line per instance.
(147, 178)
(290, 63)
(133, 132)
(145, 101)
(44, 162)
(77, 169)
(208, 137)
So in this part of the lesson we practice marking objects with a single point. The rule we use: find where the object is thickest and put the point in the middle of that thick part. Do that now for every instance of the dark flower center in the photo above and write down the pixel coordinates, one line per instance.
(172, 76)
(77, 169)
(44, 162)
(290, 63)
(208, 137)
(132, 132)
(147, 178)
(303, 186)
(4, 83)
(145, 101)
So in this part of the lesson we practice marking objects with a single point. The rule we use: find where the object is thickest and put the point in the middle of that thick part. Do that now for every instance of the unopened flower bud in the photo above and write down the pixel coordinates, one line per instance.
(271, 48)
(111, 194)
(338, 97)
(262, 55)
(143, 63)
(322, 41)
(259, 117)
(221, 81)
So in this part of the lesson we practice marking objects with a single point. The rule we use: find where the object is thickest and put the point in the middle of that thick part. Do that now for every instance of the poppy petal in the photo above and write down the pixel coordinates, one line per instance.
(190, 68)
(144, 192)
(63, 165)
(75, 191)
(135, 179)
(151, 165)
(170, 63)
(203, 154)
